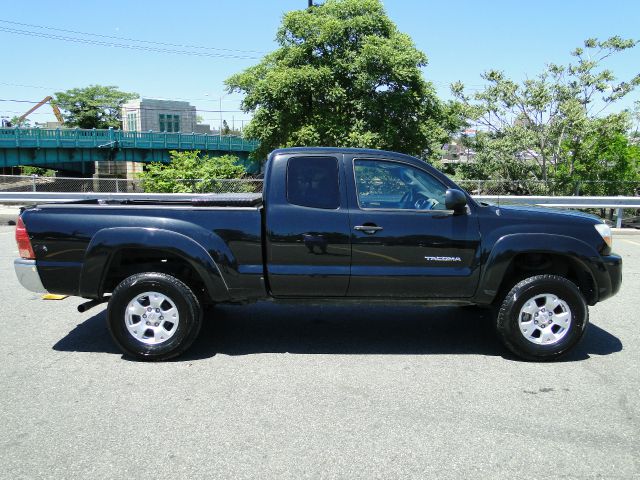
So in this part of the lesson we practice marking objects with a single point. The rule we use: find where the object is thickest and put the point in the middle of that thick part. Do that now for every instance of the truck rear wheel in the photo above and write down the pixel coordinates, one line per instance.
(542, 317)
(153, 316)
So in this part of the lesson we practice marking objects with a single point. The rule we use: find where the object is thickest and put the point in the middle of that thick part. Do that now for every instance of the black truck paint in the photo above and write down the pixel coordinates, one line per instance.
(273, 247)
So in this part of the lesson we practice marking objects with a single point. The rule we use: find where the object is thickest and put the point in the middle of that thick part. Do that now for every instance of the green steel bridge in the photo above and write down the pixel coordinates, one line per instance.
(76, 149)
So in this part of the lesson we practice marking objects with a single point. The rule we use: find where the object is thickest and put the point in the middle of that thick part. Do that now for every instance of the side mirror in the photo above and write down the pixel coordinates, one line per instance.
(455, 200)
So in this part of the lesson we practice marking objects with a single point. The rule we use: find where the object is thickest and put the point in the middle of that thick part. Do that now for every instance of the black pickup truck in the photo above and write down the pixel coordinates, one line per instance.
(332, 225)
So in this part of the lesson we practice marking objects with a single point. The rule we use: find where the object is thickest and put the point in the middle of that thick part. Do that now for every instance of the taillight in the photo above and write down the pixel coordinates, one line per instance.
(24, 244)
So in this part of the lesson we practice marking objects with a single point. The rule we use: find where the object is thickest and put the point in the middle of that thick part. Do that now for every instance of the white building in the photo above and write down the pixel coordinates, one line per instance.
(145, 114)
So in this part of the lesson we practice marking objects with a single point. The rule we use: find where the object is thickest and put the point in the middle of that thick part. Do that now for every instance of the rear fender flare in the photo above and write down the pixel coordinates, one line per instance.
(107, 242)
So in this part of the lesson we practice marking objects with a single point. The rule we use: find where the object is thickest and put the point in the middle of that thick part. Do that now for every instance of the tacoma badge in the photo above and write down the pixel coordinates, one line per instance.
(443, 259)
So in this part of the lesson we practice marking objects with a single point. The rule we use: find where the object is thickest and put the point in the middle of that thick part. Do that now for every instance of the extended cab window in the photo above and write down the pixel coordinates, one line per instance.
(384, 184)
(313, 182)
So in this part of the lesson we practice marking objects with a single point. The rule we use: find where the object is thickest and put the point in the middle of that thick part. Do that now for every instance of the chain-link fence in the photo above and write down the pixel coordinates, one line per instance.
(22, 183)
(34, 183)
(208, 185)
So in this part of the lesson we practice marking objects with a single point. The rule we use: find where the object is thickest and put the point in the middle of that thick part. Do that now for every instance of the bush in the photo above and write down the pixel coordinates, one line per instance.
(188, 172)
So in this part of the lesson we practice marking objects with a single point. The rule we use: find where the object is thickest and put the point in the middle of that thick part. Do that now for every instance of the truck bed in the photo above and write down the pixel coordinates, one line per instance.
(228, 226)
(197, 200)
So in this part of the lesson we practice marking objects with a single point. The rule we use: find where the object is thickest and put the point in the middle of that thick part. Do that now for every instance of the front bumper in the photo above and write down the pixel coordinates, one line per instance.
(28, 276)
(613, 265)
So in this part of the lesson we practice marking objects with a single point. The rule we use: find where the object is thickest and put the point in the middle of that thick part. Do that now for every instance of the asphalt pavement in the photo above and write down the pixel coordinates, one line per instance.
(282, 391)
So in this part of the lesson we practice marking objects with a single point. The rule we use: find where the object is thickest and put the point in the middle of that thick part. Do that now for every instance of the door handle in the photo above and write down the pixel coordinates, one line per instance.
(368, 229)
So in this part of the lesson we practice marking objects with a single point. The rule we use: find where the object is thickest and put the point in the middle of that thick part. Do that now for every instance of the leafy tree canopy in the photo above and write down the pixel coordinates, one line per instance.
(16, 122)
(343, 75)
(95, 106)
(609, 163)
(557, 120)
(41, 172)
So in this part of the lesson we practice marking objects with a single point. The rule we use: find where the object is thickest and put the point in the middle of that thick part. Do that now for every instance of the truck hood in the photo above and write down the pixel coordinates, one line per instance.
(537, 213)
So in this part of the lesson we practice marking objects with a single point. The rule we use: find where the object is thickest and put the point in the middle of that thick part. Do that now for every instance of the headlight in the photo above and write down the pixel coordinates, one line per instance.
(605, 232)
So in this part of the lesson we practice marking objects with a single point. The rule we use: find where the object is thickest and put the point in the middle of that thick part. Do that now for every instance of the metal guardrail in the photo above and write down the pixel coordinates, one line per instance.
(573, 187)
(107, 184)
(569, 202)
(618, 203)
(27, 198)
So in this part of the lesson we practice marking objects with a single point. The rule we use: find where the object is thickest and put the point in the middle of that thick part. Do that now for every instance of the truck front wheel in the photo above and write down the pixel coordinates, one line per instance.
(542, 317)
(153, 316)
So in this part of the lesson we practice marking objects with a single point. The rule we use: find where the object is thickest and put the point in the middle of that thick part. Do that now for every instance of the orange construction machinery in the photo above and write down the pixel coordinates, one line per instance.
(54, 107)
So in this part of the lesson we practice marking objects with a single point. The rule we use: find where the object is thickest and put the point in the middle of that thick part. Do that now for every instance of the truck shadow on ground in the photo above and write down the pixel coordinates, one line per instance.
(362, 329)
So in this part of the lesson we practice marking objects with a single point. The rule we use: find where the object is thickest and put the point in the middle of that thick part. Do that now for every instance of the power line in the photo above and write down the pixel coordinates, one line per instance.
(100, 43)
(131, 39)
(29, 86)
(216, 119)
(154, 97)
(10, 100)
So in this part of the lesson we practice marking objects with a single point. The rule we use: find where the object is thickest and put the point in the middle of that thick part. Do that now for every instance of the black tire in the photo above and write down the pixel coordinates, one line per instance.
(509, 317)
(184, 300)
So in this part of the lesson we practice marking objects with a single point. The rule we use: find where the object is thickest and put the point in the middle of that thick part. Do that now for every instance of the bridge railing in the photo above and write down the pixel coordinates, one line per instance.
(100, 138)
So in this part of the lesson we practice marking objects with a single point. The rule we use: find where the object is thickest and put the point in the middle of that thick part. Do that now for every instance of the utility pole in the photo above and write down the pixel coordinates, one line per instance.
(310, 4)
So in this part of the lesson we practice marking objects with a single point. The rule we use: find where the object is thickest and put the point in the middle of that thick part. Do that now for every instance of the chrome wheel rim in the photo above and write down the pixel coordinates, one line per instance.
(152, 318)
(544, 319)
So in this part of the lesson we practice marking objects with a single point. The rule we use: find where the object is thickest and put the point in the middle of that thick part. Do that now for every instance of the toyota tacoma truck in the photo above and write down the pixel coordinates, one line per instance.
(331, 225)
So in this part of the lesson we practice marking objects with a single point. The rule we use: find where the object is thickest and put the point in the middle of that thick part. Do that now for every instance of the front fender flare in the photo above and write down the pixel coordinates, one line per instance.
(508, 246)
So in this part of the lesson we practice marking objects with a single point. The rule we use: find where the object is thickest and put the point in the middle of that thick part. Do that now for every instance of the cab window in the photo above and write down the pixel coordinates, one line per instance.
(391, 185)
(313, 182)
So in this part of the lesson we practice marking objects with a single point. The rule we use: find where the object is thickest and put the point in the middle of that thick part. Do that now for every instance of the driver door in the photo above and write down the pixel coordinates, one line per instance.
(405, 243)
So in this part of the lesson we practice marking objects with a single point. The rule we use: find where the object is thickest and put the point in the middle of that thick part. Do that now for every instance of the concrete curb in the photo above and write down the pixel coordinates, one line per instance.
(625, 231)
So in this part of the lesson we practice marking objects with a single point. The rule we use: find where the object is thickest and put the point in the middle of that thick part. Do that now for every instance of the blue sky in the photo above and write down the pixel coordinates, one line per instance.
(461, 39)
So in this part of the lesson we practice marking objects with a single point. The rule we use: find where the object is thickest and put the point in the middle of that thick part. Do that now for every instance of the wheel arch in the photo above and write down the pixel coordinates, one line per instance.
(516, 256)
(108, 245)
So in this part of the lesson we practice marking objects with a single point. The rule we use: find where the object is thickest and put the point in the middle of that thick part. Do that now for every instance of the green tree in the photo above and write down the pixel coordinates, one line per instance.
(226, 129)
(188, 172)
(16, 122)
(635, 116)
(608, 165)
(343, 75)
(39, 171)
(551, 119)
(95, 106)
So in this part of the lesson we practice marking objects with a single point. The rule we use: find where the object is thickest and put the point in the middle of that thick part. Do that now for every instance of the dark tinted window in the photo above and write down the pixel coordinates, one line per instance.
(313, 182)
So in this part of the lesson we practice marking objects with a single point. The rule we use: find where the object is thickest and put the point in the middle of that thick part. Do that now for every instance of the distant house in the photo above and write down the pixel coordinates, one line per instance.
(455, 152)
(203, 128)
(528, 155)
(49, 125)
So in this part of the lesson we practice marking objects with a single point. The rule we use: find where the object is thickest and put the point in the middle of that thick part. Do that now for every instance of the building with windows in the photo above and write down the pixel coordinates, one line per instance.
(145, 114)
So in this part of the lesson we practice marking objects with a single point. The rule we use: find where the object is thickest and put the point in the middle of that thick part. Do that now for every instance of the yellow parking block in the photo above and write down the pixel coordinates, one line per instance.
(51, 296)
